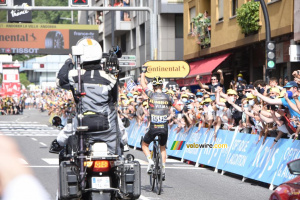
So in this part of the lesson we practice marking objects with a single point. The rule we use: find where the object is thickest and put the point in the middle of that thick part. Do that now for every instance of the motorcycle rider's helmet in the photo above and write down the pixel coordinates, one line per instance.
(92, 50)
(157, 81)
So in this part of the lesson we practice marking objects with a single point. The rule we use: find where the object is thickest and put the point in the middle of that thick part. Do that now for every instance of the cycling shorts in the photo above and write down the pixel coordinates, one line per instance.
(152, 133)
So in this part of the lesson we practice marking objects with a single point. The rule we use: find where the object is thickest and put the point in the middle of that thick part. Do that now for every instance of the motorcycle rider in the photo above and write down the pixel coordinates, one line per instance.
(99, 99)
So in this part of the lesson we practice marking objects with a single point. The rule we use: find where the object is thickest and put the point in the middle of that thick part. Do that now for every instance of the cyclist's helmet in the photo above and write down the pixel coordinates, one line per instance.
(157, 81)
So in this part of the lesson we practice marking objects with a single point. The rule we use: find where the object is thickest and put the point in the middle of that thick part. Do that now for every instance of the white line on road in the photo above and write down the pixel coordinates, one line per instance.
(43, 144)
(51, 161)
(22, 161)
(56, 166)
(194, 168)
(34, 139)
(145, 198)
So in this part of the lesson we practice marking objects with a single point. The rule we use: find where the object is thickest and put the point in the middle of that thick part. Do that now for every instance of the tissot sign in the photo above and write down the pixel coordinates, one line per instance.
(55, 39)
(19, 15)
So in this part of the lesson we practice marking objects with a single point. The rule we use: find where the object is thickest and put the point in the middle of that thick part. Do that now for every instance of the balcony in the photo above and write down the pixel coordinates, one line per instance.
(120, 27)
(170, 6)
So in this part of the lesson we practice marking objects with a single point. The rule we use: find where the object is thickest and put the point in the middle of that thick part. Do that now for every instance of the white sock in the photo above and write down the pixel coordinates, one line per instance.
(164, 167)
(149, 158)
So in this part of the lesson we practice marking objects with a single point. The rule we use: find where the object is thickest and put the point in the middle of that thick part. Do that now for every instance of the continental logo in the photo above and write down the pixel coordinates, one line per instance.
(18, 38)
(167, 69)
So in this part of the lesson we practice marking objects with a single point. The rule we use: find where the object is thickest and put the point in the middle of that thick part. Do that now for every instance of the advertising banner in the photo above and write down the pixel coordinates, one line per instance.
(20, 15)
(52, 39)
(211, 156)
(243, 155)
(167, 69)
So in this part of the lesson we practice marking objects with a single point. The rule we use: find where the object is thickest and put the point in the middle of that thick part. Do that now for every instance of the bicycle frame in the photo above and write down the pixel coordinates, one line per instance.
(156, 176)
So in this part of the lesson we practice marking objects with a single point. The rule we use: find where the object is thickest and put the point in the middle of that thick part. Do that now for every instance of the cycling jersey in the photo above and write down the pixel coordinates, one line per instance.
(159, 105)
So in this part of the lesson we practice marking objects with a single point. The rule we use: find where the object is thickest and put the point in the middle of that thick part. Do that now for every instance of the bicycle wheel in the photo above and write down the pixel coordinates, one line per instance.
(152, 175)
(158, 172)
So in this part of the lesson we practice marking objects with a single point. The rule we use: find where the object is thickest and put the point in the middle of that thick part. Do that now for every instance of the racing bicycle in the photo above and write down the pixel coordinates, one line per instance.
(156, 177)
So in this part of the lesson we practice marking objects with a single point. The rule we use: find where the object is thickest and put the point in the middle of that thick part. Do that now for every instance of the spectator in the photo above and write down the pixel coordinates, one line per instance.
(214, 82)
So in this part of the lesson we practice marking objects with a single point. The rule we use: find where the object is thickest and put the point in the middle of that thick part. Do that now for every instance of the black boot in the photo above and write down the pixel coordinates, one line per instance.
(55, 147)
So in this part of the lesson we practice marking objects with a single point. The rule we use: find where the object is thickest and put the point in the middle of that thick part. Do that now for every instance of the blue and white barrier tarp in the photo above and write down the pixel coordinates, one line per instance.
(243, 155)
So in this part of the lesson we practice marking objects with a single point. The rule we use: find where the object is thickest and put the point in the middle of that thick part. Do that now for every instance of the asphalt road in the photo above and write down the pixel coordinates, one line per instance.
(183, 181)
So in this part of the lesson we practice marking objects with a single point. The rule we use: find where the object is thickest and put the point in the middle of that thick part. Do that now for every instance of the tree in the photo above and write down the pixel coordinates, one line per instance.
(23, 79)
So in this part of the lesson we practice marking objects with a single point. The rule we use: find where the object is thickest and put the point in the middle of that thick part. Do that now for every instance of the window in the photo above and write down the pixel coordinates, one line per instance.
(133, 38)
(234, 4)
(220, 9)
(123, 43)
(192, 15)
(179, 26)
(142, 34)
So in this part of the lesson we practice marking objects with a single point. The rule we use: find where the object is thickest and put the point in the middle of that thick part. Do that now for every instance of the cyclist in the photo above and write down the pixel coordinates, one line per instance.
(159, 106)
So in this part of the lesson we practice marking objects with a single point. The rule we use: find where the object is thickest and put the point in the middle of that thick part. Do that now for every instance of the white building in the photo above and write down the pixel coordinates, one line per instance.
(42, 71)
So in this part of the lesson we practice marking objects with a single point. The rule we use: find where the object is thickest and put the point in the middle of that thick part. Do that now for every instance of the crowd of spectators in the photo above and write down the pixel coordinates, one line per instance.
(268, 109)
(56, 102)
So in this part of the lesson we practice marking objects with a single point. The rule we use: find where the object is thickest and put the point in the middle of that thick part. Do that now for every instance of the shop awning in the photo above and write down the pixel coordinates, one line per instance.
(203, 68)
(206, 66)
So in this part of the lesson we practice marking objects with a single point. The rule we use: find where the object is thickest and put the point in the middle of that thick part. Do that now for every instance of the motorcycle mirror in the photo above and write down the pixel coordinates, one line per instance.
(56, 121)
(130, 157)
(294, 167)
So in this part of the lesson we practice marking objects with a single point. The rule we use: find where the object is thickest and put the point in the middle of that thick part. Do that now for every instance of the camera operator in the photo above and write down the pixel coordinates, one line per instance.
(99, 96)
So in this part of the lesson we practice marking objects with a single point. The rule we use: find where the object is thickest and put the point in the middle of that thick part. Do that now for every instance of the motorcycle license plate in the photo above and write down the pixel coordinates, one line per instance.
(100, 182)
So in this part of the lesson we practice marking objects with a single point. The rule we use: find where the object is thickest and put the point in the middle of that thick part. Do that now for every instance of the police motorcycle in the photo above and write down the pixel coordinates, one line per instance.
(88, 169)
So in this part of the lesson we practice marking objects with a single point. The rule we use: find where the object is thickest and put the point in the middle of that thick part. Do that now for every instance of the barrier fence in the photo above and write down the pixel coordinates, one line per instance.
(242, 155)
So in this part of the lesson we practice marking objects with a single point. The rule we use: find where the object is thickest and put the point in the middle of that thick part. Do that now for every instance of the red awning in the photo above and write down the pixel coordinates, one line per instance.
(206, 66)
(203, 68)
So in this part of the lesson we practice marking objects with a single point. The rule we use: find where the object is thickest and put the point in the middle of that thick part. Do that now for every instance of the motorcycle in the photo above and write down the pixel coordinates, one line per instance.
(87, 171)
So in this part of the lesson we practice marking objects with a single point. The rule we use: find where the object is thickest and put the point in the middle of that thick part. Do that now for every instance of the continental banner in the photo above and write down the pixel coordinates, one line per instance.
(167, 69)
(53, 39)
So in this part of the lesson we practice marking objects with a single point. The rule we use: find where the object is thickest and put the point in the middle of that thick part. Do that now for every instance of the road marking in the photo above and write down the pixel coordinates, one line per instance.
(51, 161)
(142, 162)
(172, 160)
(43, 144)
(22, 161)
(34, 139)
(194, 168)
(29, 135)
(56, 166)
(146, 198)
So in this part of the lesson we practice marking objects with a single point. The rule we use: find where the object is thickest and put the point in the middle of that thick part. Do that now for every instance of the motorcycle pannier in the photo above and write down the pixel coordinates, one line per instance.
(68, 180)
(96, 122)
(130, 175)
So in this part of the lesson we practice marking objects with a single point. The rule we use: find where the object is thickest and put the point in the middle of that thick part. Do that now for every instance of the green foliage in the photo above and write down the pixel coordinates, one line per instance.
(49, 17)
(248, 17)
(201, 29)
(23, 79)
(23, 57)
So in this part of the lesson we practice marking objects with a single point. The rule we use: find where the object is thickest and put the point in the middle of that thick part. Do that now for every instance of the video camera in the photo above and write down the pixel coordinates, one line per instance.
(110, 60)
